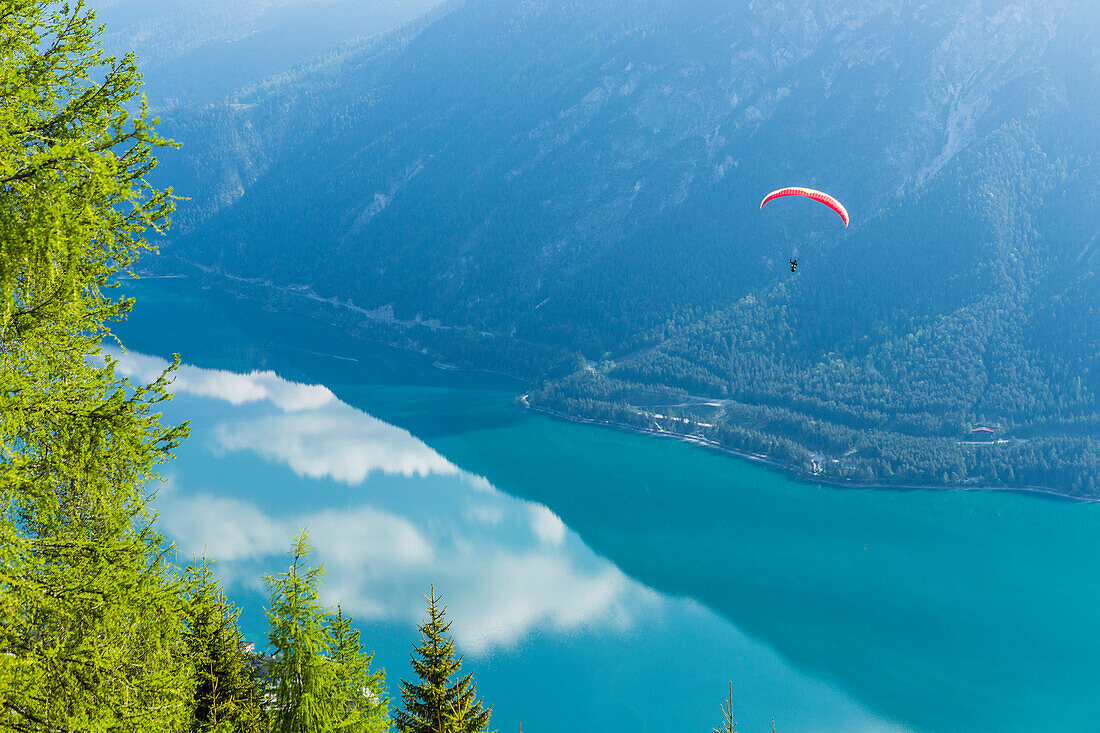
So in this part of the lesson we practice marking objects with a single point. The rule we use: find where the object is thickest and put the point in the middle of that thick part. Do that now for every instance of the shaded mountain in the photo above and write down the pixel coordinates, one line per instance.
(586, 175)
(200, 51)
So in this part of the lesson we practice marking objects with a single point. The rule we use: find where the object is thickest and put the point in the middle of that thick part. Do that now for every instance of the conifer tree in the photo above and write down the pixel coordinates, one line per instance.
(91, 626)
(360, 693)
(322, 679)
(304, 678)
(435, 704)
(728, 724)
(226, 696)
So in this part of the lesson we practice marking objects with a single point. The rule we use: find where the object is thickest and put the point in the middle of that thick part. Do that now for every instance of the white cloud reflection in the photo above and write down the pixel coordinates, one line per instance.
(234, 388)
(312, 432)
(338, 443)
(506, 567)
(548, 526)
(379, 565)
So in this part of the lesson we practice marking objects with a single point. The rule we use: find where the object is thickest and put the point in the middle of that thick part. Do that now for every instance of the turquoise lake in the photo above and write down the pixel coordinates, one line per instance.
(600, 580)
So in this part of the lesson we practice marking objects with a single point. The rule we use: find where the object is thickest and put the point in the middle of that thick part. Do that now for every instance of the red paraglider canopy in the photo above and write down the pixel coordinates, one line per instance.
(810, 193)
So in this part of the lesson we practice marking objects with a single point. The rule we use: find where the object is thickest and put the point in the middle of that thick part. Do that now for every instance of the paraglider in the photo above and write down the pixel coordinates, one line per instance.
(809, 193)
(819, 196)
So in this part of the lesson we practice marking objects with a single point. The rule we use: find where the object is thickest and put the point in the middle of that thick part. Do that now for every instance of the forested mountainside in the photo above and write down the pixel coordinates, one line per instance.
(585, 176)
(200, 51)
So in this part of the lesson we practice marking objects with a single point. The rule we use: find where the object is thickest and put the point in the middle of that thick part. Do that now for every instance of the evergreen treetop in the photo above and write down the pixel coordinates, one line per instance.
(323, 682)
(299, 637)
(360, 693)
(434, 704)
(226, 695)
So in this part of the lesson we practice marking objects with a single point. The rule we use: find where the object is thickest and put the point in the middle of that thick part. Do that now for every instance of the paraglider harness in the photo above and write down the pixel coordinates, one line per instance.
(794, 264)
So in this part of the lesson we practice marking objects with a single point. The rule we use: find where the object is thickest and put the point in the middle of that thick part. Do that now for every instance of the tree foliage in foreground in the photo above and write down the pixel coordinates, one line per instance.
(728, 723)
(226, 696)
(360, 692)
(321, 676)
(91, 632)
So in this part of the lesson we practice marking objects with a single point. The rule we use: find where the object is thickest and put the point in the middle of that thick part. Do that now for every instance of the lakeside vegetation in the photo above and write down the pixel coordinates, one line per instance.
(833, 451)
(803, 424)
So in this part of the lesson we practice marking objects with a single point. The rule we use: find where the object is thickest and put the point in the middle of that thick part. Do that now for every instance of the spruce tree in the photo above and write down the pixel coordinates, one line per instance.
(226, 697)
(435, 704)
(91, 626)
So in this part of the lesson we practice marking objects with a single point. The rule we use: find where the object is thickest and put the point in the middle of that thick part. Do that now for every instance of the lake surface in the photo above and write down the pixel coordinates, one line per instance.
(603, 580)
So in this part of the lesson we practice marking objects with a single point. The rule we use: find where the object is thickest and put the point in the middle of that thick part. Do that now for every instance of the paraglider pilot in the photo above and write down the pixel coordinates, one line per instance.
(819, 196)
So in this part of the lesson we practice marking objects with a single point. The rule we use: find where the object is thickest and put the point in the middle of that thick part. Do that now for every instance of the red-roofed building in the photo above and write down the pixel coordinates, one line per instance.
(983, 432)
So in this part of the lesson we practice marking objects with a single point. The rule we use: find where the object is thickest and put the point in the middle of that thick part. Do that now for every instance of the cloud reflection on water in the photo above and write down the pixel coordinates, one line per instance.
(334, 442)
(507, 567)
(232, 387)
(311, 431)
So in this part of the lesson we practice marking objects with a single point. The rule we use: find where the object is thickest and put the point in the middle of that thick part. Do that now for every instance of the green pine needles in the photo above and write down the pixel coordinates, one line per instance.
(360, 694)
(728, 724)
(435, 704)
(91, 637)
(227, 696)
(322, 679)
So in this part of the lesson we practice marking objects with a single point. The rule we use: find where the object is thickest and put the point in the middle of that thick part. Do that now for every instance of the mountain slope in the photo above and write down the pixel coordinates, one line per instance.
(200, 51)
(587, 174)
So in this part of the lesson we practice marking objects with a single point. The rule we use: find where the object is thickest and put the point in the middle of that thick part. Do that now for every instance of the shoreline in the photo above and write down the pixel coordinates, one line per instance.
(790, 471)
